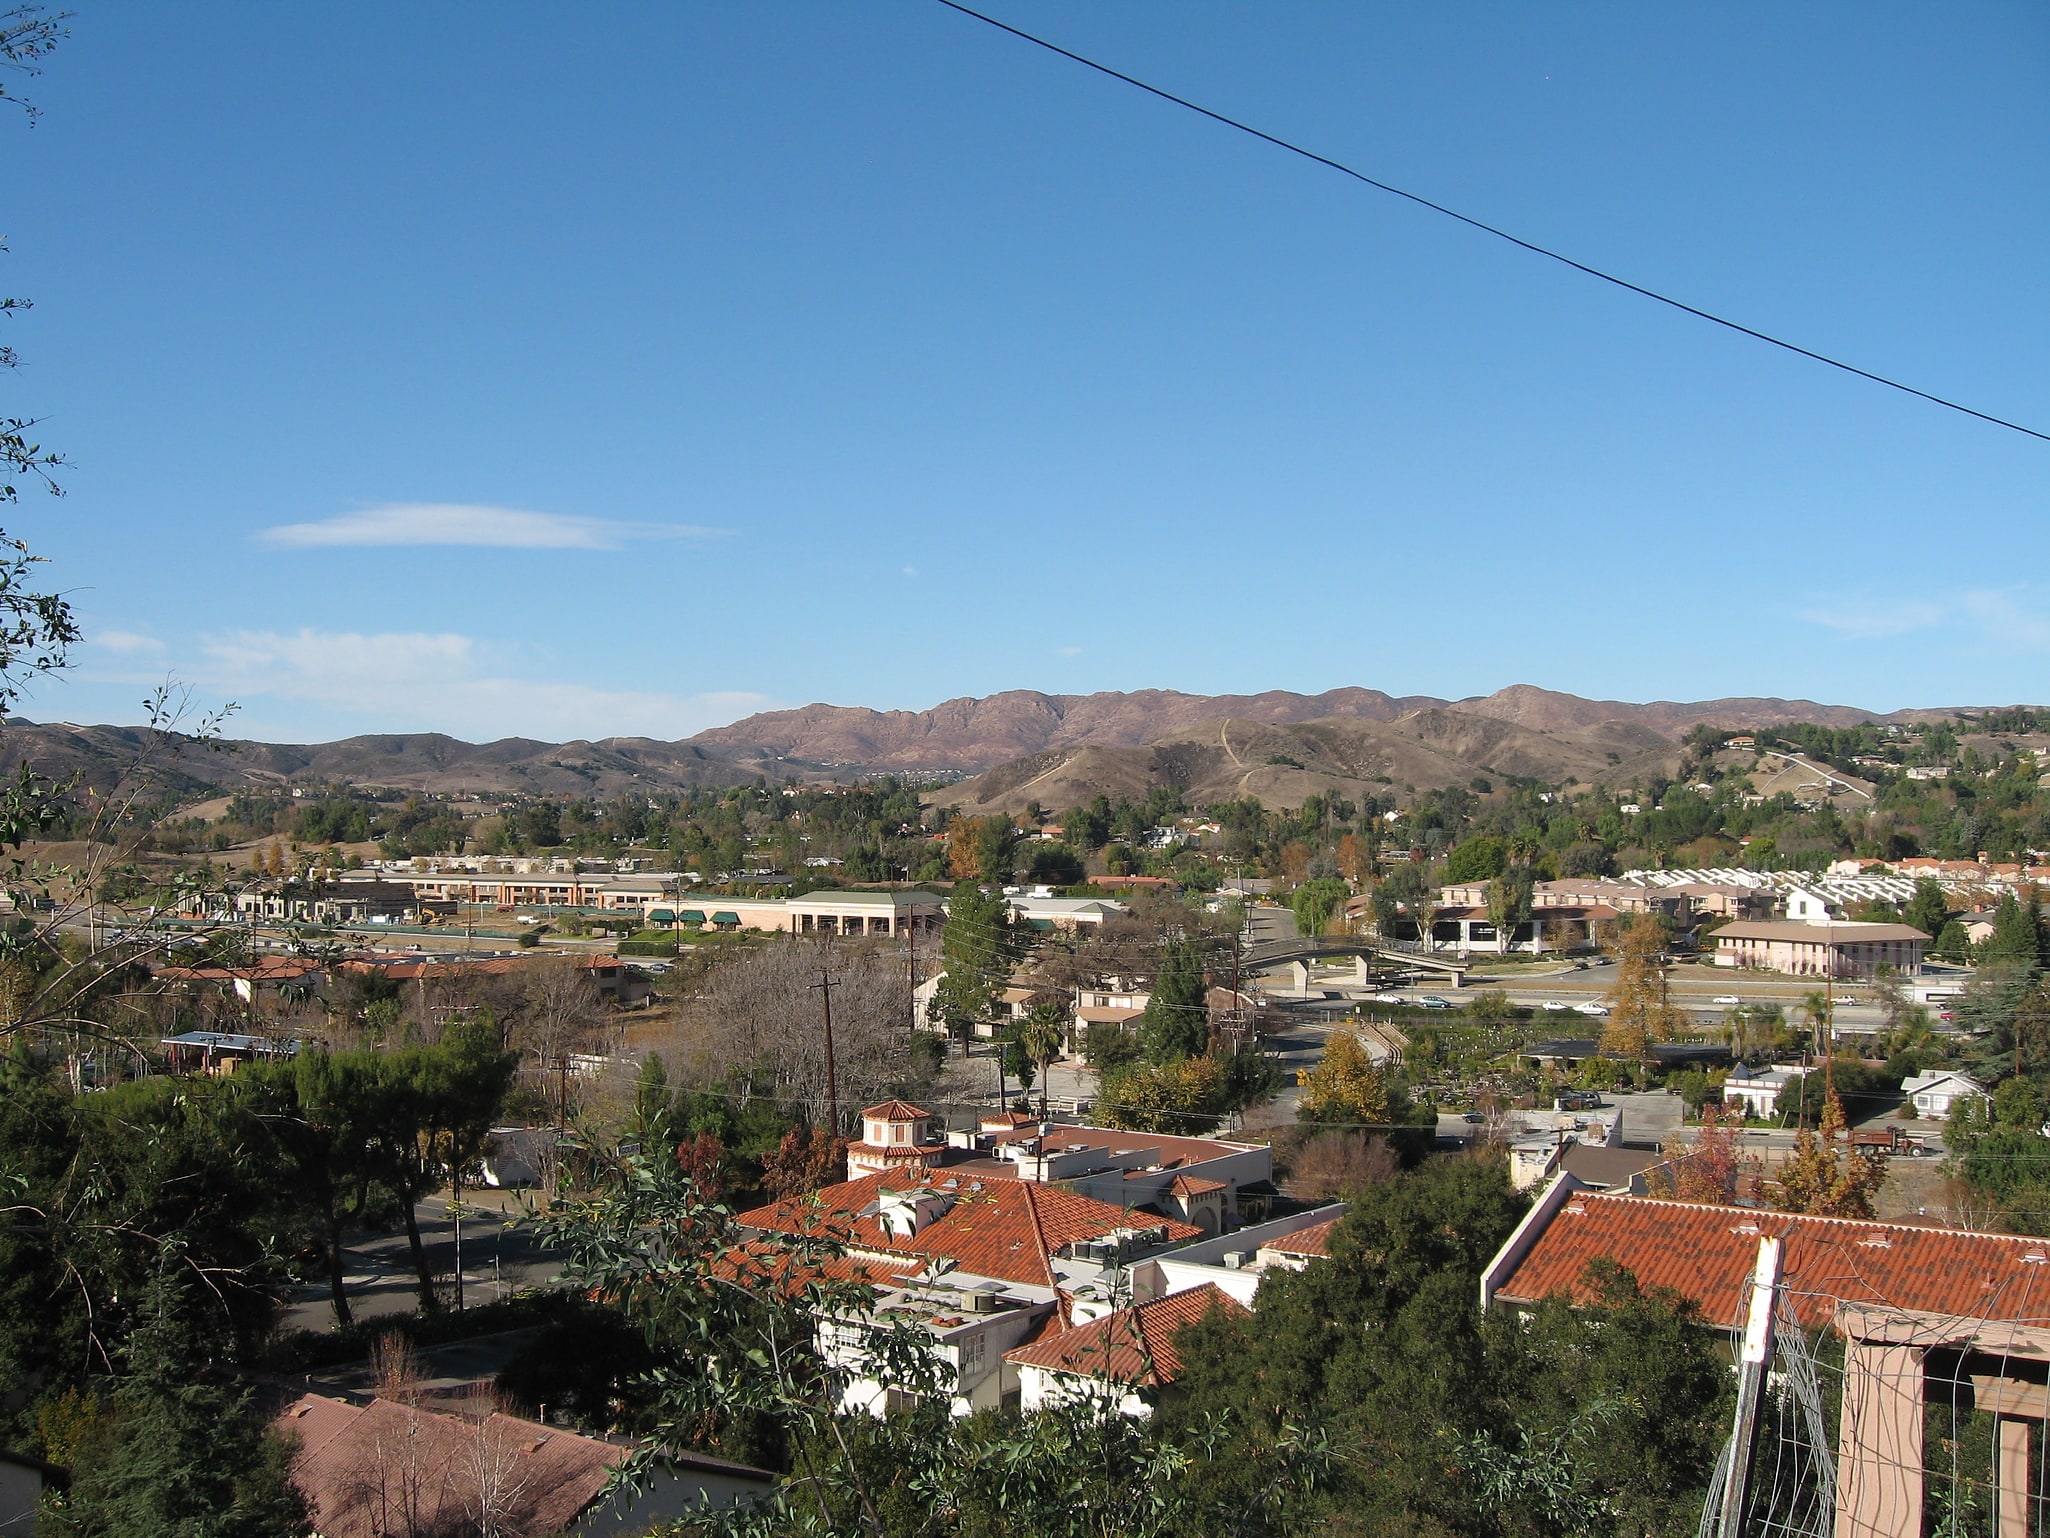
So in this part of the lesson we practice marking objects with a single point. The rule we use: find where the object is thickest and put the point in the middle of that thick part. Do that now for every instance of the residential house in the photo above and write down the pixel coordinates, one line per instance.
(1936, 1095)
(219, 1053)
(1756, 1091)
(1204, 1181)
(977, 1260)
(23, 1480)
(385, 1470)
(1238, 1262)
(1125, 1359)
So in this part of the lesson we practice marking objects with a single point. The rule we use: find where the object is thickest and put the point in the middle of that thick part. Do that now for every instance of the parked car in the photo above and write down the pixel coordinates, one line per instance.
(1474, 1118)
(1725, 998)
(1599, 1011)
(1432, 1001)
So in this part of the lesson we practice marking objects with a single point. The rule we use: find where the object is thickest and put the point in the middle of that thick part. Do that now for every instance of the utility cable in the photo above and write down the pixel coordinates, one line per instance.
(1486, 228)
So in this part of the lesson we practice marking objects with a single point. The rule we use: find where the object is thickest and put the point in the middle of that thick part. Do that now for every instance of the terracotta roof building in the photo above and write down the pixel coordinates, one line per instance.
(1121, 1353)
(1007, 1230)
(1706, 1254)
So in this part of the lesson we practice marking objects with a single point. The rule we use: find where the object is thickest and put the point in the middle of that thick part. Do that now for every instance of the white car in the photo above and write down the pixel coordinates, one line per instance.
(1557, 1006)
(1599, 1011)
(1725, 998)
(1388, 998)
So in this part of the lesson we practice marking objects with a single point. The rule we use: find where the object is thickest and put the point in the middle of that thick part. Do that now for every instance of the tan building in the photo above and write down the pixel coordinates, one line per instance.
(1820, 950)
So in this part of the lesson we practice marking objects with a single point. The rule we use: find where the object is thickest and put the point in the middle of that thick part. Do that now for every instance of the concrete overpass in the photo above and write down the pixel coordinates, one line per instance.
(1299, 953)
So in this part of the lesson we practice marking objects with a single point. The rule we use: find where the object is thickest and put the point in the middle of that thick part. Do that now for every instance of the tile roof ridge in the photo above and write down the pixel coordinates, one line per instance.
(1031, 1190)
(1756, 1213)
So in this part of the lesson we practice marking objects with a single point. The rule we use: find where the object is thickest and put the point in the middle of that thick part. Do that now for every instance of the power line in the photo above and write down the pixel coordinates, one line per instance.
(1486, 228)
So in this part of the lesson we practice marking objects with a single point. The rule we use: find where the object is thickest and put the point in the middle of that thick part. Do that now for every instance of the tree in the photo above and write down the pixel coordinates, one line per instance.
(1509, 902)
(1478, 859)
(186, 1455)
(1314, 902)
(1345, 1086)
(1639, 1010)
(1708, 1170)
(1818, 1180)
(2017, 938)
(1040, 1038)
(996, 844)
(1057, 865)
(1927, 909)
(977, 951)
(1184, 1098)
(1176, 1023)
(1408, 887)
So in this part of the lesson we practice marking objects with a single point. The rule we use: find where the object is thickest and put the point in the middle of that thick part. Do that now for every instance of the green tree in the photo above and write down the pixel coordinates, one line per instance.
(1927, 909)
(2017, 938)
(996, 847)
(1480, 858)
(1509, 902)
(186, 1455)
(1314, 902)
(977, 951)
(1176, 1023)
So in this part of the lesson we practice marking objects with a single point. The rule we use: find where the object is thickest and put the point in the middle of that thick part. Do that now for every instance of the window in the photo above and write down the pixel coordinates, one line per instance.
(974, 1351)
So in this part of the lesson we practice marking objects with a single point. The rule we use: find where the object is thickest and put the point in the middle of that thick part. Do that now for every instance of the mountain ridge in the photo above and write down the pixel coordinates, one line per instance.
(967, 736)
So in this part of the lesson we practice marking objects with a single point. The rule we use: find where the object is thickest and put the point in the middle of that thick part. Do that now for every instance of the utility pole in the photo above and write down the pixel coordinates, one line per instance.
(825, 986)
(1753, 1358)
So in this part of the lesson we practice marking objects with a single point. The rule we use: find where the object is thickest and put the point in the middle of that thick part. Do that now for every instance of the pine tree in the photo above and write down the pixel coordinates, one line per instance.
(187, 1455)
(1176, 1024)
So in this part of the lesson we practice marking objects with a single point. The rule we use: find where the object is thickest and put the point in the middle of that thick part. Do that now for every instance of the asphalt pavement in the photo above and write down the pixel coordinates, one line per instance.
(499, 1258)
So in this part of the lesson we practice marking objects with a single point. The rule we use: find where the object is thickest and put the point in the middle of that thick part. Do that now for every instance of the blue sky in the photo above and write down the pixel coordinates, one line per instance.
(620, 370)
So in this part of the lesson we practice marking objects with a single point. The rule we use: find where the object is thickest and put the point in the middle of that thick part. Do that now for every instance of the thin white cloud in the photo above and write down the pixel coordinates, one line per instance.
(419, 681)
(457, 523)
(2005, 620)
(124, 643)
(1871, 622)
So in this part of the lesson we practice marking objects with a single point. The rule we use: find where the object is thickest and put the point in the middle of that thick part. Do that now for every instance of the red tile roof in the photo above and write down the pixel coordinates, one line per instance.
(1002, 1229)
(896, 1110)
(1707, 1253)
(1314, 1240)
(1133, 1345)
(1190, 1185)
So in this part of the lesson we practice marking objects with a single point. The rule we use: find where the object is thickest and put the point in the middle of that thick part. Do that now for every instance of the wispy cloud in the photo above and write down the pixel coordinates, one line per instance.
(444, 682)
(124, 643)
(458, 523)
(2008, 620)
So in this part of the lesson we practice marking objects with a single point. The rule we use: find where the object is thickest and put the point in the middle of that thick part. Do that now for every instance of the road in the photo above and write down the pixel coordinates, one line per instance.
(498, 1259)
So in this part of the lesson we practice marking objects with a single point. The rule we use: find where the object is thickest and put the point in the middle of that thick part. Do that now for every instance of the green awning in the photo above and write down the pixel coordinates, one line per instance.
(727, 918)
(661, 916)
(691, 916)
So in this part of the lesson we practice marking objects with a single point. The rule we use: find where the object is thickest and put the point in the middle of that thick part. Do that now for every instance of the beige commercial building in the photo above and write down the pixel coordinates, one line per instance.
(1820, 950)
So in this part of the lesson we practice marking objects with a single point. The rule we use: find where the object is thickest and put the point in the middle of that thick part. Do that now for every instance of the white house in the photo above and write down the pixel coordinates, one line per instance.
(1124, 1358)
(1934, 1094)
(1757, 1094)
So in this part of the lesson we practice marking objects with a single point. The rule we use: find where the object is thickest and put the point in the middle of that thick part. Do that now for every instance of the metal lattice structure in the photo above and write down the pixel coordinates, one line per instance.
(1856, 1419)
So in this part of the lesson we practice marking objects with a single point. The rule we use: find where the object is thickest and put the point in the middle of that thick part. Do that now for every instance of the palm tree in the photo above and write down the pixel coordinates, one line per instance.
(1040, 1036)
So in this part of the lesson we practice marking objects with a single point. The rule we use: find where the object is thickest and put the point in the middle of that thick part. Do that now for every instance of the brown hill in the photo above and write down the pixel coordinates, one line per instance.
(978, 733)
(1157, 732)
(1281, 765)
